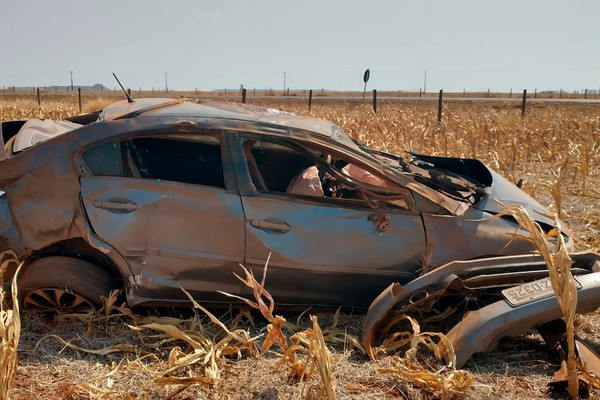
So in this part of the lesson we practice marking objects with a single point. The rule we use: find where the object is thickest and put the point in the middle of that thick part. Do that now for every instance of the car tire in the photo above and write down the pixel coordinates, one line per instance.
(63, 285)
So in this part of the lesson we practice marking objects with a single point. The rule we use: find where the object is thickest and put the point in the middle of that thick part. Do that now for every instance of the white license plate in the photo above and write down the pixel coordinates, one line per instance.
(530, 291)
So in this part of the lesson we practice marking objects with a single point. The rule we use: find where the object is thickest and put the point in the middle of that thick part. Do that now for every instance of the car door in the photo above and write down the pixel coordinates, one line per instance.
(328, 251)
(162, 202)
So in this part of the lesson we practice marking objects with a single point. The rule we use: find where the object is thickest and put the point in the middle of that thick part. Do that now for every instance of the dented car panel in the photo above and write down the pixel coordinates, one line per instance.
(160, 224)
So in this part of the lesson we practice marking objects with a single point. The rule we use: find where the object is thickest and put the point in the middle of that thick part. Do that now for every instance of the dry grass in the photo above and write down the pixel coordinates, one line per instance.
(556, 149)
(10, 328)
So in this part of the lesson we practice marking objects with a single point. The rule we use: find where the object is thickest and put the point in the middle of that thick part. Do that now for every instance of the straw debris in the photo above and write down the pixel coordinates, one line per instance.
(10, 328)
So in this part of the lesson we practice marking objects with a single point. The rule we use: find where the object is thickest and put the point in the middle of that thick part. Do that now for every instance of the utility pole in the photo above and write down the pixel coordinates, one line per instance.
(284, 83)
(166, 83)
(71, 80)
(425, 83)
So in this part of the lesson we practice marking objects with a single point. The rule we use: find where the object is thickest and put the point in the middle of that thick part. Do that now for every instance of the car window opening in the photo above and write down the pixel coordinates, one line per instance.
(161, 158)
(277, 168)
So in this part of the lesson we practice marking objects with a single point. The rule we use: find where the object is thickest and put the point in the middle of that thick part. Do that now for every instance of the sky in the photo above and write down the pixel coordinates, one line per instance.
(471, 45)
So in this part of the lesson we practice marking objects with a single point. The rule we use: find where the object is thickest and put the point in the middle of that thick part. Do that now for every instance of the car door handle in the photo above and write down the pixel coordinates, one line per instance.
(118, 205)
(270, 225)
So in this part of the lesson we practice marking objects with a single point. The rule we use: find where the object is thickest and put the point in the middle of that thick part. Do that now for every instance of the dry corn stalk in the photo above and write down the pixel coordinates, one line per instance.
(10, 329)
(310, 342)
(559, 266)
(446, 382)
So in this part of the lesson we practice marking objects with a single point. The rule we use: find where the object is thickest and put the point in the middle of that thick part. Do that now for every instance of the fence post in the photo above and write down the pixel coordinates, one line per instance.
(510, 95)
(79, 94)
(524, 103)
(375, 101)
(244, 95)
(535, 93)
(488, 92)
(585, 95)
(38, 96)
(309, 100)
(440, 107)
(420, 92)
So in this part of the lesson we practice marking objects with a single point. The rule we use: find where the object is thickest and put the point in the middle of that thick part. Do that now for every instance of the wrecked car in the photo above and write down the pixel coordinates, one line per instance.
(158, 195)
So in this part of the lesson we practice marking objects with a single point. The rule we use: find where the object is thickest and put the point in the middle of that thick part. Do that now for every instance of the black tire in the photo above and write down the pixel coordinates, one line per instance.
(63, 284)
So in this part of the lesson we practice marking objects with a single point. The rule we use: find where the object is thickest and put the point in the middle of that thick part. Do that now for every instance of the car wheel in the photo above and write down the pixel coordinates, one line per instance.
(63, 284)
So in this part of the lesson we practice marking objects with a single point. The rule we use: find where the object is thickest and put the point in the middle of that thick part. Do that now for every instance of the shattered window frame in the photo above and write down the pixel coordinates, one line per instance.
(313, 152)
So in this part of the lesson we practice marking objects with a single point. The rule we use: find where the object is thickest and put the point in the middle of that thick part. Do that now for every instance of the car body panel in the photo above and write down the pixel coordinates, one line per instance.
(330, 252)
(174, 235)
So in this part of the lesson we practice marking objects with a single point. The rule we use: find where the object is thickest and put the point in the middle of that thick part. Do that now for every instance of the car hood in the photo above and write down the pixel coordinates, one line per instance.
(503, 193)
(499, 192)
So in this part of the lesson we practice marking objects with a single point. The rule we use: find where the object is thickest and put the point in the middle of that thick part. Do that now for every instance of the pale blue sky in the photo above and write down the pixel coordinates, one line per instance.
(464, 44)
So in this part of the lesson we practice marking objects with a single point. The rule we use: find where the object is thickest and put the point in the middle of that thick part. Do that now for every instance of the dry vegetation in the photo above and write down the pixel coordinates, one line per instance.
(117, 354)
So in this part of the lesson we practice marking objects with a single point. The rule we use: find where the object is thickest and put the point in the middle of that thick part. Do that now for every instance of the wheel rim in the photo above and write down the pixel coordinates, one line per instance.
(55, 299)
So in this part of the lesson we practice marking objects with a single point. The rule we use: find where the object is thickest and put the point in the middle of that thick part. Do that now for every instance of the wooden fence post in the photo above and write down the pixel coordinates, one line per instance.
(38, 96)
(439, 119)
(375, 101)
(523, 106)
(309, 100)
(244, 95)
(79, 94)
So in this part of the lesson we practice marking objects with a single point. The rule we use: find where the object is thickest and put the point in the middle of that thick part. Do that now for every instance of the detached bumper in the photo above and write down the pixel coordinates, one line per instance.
(480, 330)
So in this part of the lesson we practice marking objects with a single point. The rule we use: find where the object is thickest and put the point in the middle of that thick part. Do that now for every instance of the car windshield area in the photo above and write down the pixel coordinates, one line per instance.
(292, 169)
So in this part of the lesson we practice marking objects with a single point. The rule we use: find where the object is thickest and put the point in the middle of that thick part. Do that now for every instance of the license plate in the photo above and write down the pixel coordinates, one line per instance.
(530, 291)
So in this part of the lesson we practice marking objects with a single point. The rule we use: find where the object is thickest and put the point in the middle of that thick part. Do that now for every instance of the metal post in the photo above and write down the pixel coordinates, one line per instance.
(166, 83)
(309, 99)
(38, 96)
(425, 83)
(523, 106)
(79, 94)
(375, 101)
(244, 95)
(440, 107)
(284, 82)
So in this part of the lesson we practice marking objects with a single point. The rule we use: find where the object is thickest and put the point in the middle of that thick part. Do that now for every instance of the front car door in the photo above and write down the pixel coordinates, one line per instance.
(327, 250)
(163, 202)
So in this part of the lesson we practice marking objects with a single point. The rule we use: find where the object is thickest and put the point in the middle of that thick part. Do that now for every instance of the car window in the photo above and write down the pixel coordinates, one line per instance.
(283, 168)
(194, 159)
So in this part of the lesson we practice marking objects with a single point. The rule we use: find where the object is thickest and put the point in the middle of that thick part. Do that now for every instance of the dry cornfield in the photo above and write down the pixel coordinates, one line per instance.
(555, 149)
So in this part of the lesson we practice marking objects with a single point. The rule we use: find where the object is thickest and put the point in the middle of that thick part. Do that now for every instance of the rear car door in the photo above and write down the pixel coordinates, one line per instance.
(162, 202)
(324, 250)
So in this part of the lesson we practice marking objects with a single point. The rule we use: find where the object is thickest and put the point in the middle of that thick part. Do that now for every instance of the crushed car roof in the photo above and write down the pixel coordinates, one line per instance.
(211, 109)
